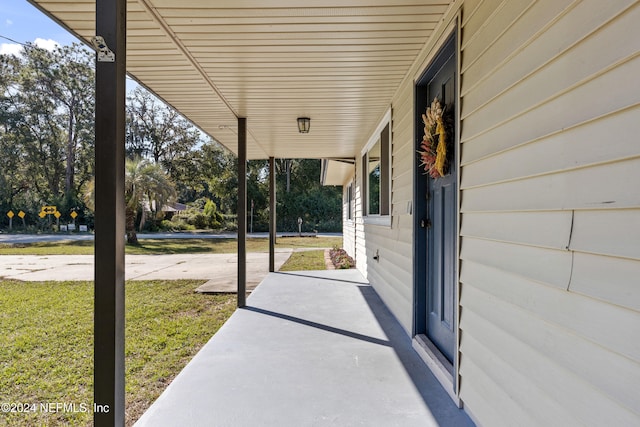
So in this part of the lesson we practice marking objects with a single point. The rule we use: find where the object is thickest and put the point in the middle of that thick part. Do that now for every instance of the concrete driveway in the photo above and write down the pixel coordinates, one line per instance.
(219, 270)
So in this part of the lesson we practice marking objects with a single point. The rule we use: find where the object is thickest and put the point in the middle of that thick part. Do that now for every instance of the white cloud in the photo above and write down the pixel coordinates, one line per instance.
(8, 22)
(16, 49)
(10, 49)
(46, 44)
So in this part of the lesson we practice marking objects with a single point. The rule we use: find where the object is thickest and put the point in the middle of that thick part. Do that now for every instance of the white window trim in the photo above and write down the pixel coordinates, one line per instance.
(351, 202)
(376, 134)
(383, 220)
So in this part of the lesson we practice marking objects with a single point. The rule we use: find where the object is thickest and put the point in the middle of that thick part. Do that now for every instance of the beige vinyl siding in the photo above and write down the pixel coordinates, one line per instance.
(550, 212)
(348, 225)
(360, 254)
(392, 275)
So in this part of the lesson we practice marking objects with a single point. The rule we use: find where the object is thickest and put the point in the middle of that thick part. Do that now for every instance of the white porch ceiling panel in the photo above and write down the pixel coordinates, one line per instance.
(338, 62)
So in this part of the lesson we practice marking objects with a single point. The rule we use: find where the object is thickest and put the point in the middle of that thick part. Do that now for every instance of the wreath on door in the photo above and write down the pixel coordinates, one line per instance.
(433, 152)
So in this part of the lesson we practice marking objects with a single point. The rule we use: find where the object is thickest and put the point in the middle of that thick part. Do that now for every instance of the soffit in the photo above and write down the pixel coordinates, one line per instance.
(337, 62)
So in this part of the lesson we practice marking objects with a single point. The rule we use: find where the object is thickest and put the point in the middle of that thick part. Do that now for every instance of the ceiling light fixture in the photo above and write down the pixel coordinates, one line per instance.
(304, 123)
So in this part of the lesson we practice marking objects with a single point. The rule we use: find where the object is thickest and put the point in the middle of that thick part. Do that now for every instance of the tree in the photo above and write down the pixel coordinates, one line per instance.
(319, 206)
(146, 186)
(35, 124)
(286, 167)
(157, 131)
(220, 167)
(12, 179)
(210, 212)
(145, 183)
(47, 145)
(65, 77)
(47, 118)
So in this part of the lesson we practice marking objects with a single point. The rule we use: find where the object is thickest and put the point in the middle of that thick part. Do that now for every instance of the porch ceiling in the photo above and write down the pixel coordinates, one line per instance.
(338, 62)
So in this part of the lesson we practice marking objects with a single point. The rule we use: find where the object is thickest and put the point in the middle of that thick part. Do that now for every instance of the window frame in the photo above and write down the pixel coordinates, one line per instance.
(350, 201)
(383, 135)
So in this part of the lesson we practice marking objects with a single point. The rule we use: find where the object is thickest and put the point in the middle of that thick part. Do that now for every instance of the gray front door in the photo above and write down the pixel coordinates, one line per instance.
(438, 220)
(442, 234)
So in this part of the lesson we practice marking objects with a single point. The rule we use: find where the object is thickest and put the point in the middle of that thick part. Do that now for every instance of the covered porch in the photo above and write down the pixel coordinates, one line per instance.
(541, 240)
(302, 350)
(310, 348)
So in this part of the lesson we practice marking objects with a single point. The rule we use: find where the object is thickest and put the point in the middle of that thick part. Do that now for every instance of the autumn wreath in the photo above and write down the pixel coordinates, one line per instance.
(433, 153)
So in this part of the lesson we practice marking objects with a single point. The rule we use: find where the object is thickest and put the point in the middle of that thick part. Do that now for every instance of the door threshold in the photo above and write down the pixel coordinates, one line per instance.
(441, 368)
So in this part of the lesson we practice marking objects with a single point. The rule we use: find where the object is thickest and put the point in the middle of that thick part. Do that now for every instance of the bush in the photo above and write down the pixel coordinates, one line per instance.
(202, 215)
(176, 225)
(213, 217)
(340, 259)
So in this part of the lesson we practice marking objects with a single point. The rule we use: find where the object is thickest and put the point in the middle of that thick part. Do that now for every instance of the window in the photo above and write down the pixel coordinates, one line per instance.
(373, 168)
(350, 200)
(376, 175)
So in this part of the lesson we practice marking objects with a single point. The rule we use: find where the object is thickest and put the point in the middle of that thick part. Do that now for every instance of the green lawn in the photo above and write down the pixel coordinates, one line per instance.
(170, 246)
(46, 339)
(307, 260)
(46, 344)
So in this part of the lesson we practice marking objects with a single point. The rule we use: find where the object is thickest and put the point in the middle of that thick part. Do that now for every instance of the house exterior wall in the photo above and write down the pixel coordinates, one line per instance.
(391, 274)
(549, 295)
(349, 224)
(550, 213)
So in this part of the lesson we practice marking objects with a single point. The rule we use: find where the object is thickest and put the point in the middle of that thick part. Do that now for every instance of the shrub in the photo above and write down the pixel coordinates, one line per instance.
(340, 258)
(210, 211)
(176, 224)
(202, 215)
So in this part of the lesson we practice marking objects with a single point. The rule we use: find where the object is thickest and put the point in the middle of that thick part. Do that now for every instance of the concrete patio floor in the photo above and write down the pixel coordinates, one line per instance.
(310, 349)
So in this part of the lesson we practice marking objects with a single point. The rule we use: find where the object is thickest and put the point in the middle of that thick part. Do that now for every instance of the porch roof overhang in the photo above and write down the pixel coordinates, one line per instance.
(337, 62)
(337, 171)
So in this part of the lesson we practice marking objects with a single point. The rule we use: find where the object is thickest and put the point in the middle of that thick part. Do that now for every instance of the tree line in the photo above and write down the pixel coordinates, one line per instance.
(47, 145)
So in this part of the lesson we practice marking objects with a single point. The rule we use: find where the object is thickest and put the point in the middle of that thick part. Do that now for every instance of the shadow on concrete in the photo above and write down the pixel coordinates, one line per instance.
(311, 349)
(432, 393)
(317, 275)
(319, 326)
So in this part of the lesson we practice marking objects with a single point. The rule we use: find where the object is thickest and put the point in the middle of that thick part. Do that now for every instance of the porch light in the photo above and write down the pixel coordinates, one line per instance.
(304, 123)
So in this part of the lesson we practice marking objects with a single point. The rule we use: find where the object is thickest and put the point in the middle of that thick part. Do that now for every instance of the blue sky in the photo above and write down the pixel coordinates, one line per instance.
(24, 23)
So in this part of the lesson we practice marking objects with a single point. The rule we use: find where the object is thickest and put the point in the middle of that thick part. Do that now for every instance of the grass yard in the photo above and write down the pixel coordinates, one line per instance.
(307, 260)
(46, 339)
(46, 344)
(170, 246)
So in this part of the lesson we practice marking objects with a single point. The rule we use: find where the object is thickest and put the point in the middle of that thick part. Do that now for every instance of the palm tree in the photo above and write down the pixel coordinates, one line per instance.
(144, 181)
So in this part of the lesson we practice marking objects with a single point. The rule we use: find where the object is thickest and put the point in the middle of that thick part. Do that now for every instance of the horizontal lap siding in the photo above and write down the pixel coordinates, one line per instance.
(360, 253)
(349, 225)
(550, 212)
(403, 155)
(392, 275)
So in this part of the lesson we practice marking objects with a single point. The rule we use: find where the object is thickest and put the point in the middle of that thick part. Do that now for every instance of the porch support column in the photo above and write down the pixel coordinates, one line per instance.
(109, 218)
(272, 214)
(242, 211)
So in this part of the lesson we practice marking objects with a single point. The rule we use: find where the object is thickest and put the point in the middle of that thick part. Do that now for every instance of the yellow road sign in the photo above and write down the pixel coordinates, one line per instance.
(74, 214)
(48, 210)
(10, 214)
(42, 214)
(57, 214)
(21, 214)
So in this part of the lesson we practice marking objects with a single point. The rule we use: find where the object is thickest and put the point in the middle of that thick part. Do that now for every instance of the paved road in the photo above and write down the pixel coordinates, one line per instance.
(32, 238)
